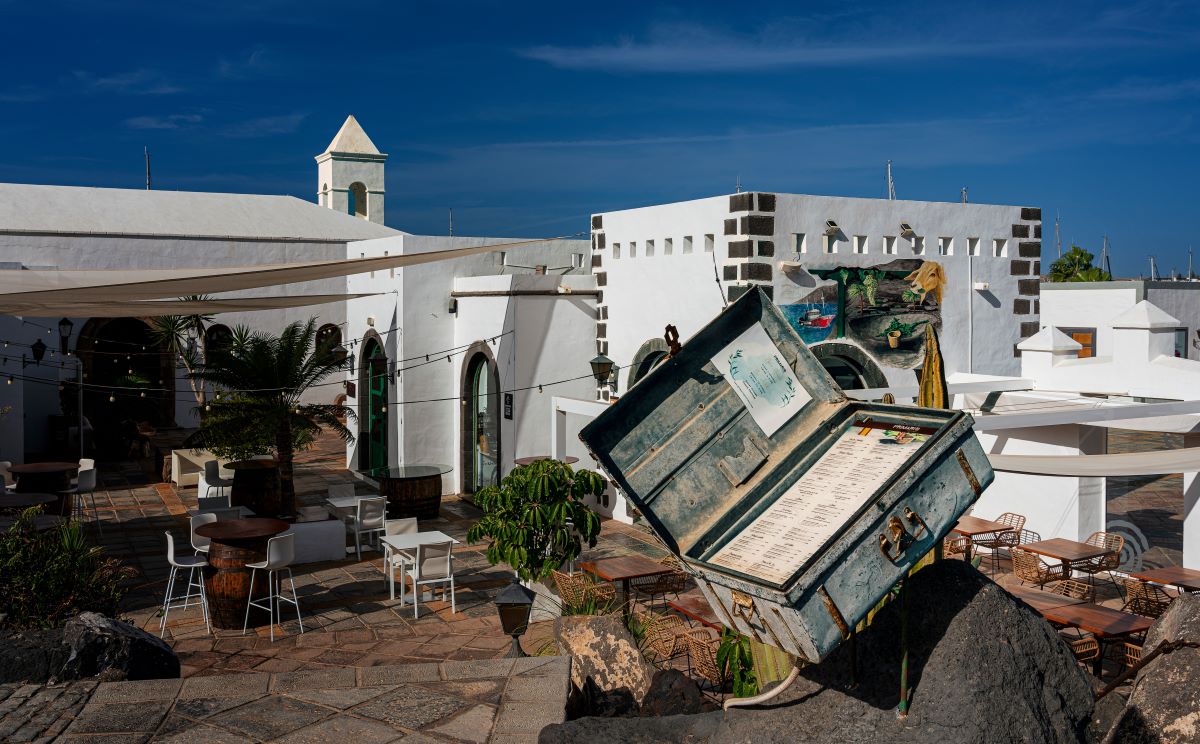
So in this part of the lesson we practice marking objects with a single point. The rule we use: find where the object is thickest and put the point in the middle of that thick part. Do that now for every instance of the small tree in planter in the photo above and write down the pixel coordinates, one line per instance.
(536, 518)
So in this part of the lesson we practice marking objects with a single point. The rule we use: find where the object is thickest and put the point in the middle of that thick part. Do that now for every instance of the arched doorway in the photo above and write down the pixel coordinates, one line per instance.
(373, 405)
(218, 339)
(647, 358)
(356, 204)
(849, 366)
(481, 422)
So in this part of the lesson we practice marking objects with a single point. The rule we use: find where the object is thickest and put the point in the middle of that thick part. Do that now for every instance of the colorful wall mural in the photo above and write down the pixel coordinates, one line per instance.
(883, 308)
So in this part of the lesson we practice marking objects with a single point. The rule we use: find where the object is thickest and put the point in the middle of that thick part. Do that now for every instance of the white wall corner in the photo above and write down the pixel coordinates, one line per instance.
(1045, 349)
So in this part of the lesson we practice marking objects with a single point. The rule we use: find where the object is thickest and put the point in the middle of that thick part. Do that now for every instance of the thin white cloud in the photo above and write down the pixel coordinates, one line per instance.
(172, 121)
(1144, 90)
(265, 126)
(138, 82)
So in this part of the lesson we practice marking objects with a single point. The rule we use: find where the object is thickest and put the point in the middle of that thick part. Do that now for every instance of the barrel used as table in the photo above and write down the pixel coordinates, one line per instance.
(411, 490)
(235, 543)
(22, 501)
(46, 477)
(256, 486)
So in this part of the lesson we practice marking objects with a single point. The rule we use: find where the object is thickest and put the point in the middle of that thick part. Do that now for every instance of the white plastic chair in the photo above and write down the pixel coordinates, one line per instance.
(369, 520)
(200, 543)
(192, 564)
(213, 479)
(434, 564)
(85, 463)
(84, 491)
(281, 551)
(393, 558)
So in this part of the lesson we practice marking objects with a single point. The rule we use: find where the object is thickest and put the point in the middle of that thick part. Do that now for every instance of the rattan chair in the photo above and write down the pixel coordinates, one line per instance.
(1085, 649)
(994, 541)
(577, 590)
(1110, 561)
(662, 635)
(1144, 598)
(661, 585)
(1075, 590)
(702, 657)
(957, 546)
(1131, 655)
(1027, 567)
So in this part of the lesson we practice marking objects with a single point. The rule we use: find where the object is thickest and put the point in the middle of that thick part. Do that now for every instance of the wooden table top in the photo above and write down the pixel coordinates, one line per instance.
(695, 606)
(22, 500)
(1098, 620)
(534, 458)
(1040, 599)
(243, 529)
(43, 468)
(1186, 578)
(624, 567)
(968, 525)
(1065, 550)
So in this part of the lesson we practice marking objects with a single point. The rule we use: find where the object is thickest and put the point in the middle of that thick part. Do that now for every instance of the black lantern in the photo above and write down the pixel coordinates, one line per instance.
(39, 351)
(514, 603)
(65, 326)
(601, 368)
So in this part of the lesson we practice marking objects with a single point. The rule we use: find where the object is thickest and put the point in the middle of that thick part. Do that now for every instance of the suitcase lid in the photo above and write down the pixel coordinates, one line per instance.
(694, 436)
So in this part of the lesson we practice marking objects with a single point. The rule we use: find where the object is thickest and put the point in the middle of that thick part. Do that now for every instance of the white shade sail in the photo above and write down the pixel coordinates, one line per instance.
(1161, 462)
(119, 309)
(35, 292)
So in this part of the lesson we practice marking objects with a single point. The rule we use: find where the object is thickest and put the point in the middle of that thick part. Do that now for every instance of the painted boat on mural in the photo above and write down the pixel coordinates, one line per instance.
(795, 508)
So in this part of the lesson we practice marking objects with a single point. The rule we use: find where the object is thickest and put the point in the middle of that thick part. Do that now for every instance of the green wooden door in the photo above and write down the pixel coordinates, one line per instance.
(377, 408)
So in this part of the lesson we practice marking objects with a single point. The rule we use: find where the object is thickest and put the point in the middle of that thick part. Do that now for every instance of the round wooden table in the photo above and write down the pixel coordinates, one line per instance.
(411, 490)
(22, 501)
(46, 477)
(255, 486)
(235, 543)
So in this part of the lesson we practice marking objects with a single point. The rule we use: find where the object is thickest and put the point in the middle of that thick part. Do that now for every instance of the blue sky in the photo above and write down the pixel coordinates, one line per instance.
(525, 118)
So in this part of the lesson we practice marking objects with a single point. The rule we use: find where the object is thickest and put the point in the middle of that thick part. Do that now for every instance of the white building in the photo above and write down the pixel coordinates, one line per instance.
(969, 269)
(1084, 311)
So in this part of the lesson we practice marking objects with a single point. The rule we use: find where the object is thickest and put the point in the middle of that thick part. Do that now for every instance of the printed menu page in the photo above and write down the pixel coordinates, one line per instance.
(793, 529)
(762, 378)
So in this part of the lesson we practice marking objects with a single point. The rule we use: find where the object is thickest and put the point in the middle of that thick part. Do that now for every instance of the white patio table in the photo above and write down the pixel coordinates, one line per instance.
(408, 543)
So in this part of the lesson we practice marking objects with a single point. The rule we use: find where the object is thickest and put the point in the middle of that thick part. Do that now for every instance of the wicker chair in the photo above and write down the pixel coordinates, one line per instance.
(1110, 561)
(1146, 599)
(1029, 568)
(702, 656)
(660, 585)
(1007, 539)
(1131, 655)
(1085, 649)
(663, 635)
(957, 546)
(577, 590)
(1075, 590)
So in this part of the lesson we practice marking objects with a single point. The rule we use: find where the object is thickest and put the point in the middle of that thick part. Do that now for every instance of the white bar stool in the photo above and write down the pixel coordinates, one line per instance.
(281, 551)
(170, 599)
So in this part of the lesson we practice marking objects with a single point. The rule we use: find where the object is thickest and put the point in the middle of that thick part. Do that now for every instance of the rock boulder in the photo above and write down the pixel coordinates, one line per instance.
(101, 645)
(31, 655)
(607, 670)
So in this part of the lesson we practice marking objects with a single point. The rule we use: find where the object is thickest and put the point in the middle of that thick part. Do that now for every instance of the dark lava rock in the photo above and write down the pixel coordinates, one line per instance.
(609, 675)
(673, 693)
(31, 655)
(1164, 704)
(982, 668)
(98, 644)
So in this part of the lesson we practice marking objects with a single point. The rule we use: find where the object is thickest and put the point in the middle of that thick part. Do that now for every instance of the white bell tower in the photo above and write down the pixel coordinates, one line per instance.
(350, 174)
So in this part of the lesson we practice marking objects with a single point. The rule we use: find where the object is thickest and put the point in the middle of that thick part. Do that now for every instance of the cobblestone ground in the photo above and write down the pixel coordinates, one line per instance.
(1147, 510)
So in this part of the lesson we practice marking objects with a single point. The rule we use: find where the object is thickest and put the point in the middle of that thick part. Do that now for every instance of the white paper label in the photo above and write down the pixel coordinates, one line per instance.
(818, 505)
(762, 378)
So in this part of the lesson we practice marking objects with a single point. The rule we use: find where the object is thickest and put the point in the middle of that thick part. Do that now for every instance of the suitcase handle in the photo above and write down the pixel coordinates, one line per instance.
(893, 544)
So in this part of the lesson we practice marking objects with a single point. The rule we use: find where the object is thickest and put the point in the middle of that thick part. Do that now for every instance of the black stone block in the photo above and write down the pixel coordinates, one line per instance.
(1031, 213)
(601, 278)
(1020, 307)
(766, 248)
(1037, 230)
(1029, 287)
(596, 259)
(741, 202)
(736, 291)
(729, 273)
(597, 221)
(1019, 268)
(1030, 328)
(1020, 231)
(758, 225)
(601, 330)
(741, 248)
(600, 240)
(766, 202)
(757, 271)
(731, 226)
(1031, 249)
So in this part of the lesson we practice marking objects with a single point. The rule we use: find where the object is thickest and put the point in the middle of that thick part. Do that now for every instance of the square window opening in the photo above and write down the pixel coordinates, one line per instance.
(687, 243)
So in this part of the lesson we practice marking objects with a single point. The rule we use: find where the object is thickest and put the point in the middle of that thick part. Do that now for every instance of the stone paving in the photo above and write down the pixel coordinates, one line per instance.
(502, 701)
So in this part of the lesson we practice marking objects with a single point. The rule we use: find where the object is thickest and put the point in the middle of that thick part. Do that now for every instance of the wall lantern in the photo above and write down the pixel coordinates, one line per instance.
(514, 603)
(65, 326)
(601, 368)
(453, 306)
(39, 351)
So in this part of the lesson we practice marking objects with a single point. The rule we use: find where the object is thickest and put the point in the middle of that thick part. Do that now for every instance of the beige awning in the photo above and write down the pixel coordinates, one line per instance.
(34, 292)
(118, 309)
(1159, 462)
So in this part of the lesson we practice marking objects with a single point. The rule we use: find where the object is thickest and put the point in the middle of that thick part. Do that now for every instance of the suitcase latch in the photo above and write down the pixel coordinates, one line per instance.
(896, 541)
(743, 604)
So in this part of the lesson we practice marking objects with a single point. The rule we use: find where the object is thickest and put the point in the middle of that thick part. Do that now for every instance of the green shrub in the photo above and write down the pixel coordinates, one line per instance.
(49, 576)
(736, 662)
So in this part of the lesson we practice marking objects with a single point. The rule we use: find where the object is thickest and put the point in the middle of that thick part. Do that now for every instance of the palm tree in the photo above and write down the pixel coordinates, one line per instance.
(1076, 266)
(182, 336)
(260, 406)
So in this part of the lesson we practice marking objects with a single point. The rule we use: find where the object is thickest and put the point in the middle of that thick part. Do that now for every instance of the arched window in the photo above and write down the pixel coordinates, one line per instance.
(217, 340)
(329, 336)
(357, 203)
(324, 195)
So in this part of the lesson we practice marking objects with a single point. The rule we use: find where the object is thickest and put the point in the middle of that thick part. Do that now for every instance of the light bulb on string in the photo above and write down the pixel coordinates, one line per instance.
(143, 394)
(539, 388)
(10, 379)
(112, 398)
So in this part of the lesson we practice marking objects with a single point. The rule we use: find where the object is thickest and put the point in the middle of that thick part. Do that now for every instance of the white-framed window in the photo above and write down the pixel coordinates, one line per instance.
(799, 243)
(1000, 248)
(889, 244)
(973, 246)
(709, 243)
(860, 243)
(918, 245)
(616, 250)
(945, 246)
(649, 248)
(668, 246)
(687, 243)
(633, 249)
(828, 244)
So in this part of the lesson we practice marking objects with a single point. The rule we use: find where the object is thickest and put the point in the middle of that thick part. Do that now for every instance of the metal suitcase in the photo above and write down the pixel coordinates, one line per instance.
(795, 508)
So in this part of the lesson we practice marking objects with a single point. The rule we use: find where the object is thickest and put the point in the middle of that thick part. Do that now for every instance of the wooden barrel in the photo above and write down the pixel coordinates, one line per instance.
(235, 543)
(412, 497)
(256, 486)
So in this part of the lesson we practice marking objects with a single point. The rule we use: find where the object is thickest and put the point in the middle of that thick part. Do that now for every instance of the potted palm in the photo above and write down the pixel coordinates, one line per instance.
(262, 408)
(536, 517)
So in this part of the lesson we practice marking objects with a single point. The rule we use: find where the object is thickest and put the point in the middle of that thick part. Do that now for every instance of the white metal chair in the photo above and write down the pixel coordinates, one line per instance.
(393, 558)
(85, 463)
(84, 490)
(369, 518)
(192, 564)
(213, 479)
(281, 551)
(434, 564)
(199, 542)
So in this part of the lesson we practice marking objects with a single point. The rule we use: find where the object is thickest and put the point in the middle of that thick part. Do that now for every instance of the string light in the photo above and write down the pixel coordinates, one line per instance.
(112, 398)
